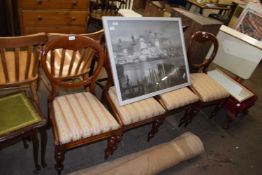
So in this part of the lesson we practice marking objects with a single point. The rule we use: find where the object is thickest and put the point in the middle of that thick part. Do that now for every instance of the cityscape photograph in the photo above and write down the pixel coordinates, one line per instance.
(148, 57)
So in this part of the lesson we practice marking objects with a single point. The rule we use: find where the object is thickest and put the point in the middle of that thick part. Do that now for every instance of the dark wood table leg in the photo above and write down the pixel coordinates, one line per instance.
(43, 136)
(230, 117)
(35, 148)
(201, 11)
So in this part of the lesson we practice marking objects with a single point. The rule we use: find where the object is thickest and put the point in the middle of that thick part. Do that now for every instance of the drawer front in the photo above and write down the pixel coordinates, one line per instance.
(54, 4)
(54, 17)
(55, 29)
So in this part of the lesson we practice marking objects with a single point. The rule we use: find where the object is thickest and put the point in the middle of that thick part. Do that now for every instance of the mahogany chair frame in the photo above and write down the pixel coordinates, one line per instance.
(98, 36)
(203, 37)
(78, 42)
(156, 121)
(31, 44)
(191, 110)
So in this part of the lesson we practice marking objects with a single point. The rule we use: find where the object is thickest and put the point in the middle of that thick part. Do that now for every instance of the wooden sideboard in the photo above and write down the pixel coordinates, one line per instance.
(62, 16)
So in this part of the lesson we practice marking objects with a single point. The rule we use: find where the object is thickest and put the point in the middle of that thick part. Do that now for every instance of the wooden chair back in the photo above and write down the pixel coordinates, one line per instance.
(197, 40)
(19, 60)
(82, 63)
(76, 44)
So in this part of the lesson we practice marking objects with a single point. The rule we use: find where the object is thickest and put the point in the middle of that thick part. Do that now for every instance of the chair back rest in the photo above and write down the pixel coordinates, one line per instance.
(106, 8)
(199, 39)
(76, 44)
(81, 64)
(19, 59)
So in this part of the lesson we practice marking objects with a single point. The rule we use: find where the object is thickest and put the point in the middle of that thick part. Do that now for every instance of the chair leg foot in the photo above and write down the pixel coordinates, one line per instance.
(192, 113)
(184, 119)
(59, 157)
(25, 143)
(43, 135)
(111, 145)
(35, 149)
(155, 126)
(214, 111)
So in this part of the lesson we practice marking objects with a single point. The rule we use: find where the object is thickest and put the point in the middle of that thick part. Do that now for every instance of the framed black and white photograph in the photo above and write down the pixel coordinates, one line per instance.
(147, 56)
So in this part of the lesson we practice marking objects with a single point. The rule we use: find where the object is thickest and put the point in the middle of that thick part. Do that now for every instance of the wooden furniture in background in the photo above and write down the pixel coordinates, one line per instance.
(211, 6)
(157, 9)
(101, 8)
(196, 22)
(62, 16)
(8, 18)
(77, 119)
(139, 4)
(226, 15)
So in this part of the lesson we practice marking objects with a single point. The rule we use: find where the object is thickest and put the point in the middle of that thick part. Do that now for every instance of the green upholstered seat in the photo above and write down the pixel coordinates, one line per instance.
(16, 112)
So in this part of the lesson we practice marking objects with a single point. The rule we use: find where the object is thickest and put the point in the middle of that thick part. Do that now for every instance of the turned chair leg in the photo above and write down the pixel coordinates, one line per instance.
(155, 126)
(214, 111)
(35, 148)
(43, 136)
(112, 145)
(59, 157)
(184, 119)
(192, 113)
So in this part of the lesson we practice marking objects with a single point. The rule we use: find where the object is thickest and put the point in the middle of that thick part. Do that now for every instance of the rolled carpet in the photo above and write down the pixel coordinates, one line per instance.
(152, 160)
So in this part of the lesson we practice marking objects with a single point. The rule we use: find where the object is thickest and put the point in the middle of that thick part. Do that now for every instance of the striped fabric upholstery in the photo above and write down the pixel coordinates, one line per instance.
(81, 115)
(137, 111)
(207, 88)
(178, 98)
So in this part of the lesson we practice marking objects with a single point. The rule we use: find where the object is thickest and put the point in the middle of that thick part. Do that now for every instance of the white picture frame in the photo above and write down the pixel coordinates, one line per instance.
(147, 56)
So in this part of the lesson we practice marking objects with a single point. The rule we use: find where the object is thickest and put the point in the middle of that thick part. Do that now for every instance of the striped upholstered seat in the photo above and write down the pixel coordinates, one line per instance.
(178, 98)
(81, 115)
(207, 88)
(137, 111)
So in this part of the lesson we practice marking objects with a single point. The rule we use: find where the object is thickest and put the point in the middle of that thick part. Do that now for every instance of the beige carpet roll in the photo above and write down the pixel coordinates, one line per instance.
(152, 160)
